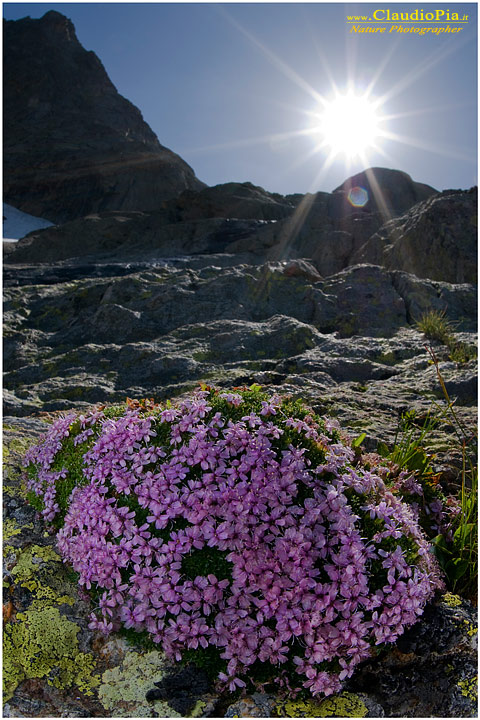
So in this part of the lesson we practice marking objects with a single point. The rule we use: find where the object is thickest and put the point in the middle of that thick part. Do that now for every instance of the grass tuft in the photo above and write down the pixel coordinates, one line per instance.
(435, 326)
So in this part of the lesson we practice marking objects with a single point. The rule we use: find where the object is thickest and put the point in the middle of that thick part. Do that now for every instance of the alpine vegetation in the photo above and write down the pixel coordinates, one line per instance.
(238, 531)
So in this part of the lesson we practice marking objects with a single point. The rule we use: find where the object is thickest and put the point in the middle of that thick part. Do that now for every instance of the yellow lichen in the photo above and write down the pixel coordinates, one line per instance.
(471, 629)
(451, 600)
(10, 528)
(198, 709)
(468, 688)
(12, 451)
(344, 705)
(45, 595)
(124, 688)
(28, 563)
(43, 644)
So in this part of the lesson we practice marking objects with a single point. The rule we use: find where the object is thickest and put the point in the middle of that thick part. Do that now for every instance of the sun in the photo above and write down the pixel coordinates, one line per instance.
(348, 124)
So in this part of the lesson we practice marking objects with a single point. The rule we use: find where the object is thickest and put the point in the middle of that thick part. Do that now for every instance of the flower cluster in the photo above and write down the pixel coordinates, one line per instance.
(236, 522)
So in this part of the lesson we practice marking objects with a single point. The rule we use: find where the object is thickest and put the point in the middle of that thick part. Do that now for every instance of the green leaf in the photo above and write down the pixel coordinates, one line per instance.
(359, 440)
(463, 532)
(457, 568)
(417, 461)
(439, 541)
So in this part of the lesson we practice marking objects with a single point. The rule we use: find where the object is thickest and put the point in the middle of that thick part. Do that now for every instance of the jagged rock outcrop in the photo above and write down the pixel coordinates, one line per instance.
(435, 239)
(72, 144)
(233, 200)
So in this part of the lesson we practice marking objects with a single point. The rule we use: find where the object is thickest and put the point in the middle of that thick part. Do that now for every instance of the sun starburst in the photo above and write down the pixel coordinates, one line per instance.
(348, 124)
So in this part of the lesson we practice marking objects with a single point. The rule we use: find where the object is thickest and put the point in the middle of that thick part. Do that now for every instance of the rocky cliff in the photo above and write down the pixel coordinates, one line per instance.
(72, 144)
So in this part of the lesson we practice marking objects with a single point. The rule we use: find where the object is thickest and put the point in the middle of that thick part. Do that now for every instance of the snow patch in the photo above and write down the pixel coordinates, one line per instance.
(17, 224)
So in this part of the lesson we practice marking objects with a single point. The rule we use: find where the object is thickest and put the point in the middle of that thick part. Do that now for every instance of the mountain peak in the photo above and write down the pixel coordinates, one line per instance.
(72, 144)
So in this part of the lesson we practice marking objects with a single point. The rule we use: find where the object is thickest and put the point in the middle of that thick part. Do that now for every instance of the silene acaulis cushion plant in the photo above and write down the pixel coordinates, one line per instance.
(236, 529)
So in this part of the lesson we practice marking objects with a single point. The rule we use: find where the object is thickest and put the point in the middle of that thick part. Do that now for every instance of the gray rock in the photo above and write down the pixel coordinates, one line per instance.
(232, 200)
(366, 302)
(159, 332)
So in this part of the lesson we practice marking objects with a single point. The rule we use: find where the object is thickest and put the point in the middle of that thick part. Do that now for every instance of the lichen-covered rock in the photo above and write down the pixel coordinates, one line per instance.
(124, 689)
(345, 705)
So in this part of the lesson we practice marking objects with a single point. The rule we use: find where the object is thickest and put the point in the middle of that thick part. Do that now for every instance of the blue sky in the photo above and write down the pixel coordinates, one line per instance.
(231, 87)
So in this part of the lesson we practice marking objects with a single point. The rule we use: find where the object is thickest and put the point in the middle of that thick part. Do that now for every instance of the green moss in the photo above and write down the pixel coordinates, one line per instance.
(14, 448)
(18, 445)
(124, 688)
(43, 644)
(344, 705)
(205, 562)
(203, 356)
(385, 358)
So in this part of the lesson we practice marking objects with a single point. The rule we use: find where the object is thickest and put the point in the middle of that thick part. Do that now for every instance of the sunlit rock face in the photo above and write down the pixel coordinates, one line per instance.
(72, 144)
(436, 239)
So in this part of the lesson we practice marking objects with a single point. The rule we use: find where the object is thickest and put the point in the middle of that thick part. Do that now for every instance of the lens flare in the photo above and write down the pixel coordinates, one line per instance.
(358, 196)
